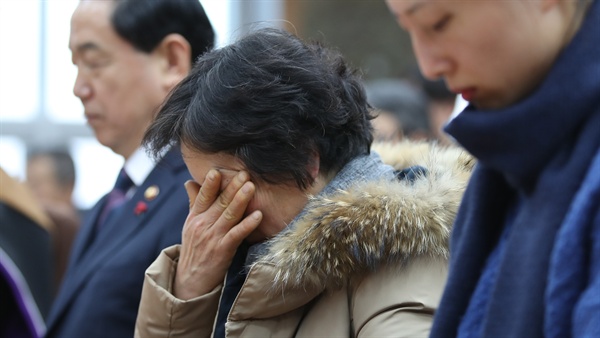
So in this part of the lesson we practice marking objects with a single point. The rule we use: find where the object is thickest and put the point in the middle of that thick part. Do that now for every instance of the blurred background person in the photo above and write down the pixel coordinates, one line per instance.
(400, 109)
(26, 261)
(51, 178)
(440, 107)
(129, 54)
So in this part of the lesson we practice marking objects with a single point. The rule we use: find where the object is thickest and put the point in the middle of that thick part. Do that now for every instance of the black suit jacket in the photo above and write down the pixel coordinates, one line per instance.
(101, 291)
(26, 249)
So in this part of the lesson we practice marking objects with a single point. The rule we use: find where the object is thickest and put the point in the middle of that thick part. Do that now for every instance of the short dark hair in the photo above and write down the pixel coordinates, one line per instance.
(405, 102)
(64, 168)
(437, 90)
(145, 23)
(272, 101)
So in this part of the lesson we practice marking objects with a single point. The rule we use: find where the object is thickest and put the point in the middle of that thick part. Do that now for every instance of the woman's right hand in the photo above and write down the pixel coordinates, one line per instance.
(213, 230)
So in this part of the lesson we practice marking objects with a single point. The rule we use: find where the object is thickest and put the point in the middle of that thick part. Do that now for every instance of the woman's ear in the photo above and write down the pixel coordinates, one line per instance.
(174, 55)
(314, 165)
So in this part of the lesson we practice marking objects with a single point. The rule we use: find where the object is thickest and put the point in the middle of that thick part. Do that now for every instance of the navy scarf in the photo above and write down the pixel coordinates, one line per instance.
(540, 150)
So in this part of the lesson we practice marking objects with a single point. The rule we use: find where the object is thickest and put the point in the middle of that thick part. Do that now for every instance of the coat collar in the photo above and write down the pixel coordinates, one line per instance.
(353, 231)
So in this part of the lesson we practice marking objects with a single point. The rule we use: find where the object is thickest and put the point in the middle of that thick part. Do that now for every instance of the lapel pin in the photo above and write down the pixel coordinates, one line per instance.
(140, 208)
(151, 192)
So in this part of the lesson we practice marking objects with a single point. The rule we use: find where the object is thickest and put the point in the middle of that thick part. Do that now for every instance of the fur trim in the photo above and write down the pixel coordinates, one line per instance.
(359, 229)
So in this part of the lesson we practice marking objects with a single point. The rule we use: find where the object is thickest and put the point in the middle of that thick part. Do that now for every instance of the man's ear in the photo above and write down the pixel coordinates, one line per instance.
(174, 55)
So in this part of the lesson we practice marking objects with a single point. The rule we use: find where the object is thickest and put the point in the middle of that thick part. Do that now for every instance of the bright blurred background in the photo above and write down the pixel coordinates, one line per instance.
(39, 111)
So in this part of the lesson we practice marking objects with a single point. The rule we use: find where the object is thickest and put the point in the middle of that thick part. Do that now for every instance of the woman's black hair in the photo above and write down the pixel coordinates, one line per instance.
(272, 101)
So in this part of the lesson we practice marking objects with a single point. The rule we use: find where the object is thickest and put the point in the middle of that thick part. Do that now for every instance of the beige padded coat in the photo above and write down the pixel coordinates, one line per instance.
(310, 283)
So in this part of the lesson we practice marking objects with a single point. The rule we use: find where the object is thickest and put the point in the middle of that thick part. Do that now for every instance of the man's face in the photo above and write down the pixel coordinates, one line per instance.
(119, 86)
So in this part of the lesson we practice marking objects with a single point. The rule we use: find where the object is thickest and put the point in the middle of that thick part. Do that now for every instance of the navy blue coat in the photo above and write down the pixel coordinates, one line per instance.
(101, 290)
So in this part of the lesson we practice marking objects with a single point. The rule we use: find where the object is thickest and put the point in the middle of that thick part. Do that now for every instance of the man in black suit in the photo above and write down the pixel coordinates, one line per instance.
(129, 55)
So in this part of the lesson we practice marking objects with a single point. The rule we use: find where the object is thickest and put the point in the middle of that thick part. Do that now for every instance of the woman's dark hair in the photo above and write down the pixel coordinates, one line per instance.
(145, 23)
(272, 101)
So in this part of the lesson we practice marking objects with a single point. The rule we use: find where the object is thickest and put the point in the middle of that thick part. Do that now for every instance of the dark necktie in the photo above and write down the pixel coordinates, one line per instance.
(115, 198)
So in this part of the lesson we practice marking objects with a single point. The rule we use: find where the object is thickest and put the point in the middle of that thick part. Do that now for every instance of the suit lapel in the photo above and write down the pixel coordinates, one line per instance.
(86, 235)
(118, 231)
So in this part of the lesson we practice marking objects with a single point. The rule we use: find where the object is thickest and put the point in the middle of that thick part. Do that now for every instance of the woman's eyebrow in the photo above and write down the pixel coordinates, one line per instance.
(411, 10)
(414, 8)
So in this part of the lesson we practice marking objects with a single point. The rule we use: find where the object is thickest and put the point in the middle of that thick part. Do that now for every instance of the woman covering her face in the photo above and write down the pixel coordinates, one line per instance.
(296, 228)
(526, 244)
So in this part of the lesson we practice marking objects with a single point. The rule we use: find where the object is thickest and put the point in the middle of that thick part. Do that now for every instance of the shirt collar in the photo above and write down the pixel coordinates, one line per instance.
(139, 165)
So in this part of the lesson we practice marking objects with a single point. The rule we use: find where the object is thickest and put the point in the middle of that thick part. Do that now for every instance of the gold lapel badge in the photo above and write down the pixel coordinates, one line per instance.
(151, 192)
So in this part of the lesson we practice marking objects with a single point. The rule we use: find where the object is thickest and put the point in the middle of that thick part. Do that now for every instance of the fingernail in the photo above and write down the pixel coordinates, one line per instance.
(211, 175)
(242, 176)
(256, 215)
(246, 188)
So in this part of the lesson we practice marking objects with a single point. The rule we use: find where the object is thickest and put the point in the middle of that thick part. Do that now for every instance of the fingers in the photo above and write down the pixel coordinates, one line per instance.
(236, 208)
(221, 210)
(242, 230)
(214, 229)
(207, 193)
(192, 188)
(232, 189)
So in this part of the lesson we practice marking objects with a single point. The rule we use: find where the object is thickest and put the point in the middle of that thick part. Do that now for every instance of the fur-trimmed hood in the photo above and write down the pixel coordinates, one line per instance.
(354, 231)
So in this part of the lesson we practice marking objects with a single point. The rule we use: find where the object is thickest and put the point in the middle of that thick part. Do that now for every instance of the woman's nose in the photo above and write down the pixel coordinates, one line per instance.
(433, 63)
